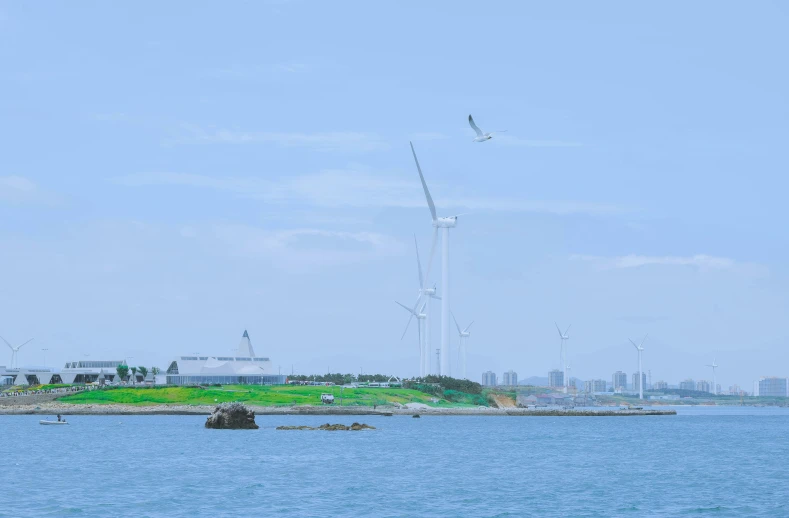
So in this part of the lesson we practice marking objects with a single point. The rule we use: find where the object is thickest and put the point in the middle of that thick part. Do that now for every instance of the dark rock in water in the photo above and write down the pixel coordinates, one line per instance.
(416, 416)
(232, 416)
(330, 427)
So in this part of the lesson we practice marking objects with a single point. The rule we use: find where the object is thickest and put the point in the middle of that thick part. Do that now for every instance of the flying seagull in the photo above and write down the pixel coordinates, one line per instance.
(481, 137)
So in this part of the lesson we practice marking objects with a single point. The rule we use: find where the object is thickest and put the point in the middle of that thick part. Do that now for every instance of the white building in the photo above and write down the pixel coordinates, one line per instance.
(28, 376)
(241, 368)
(510, 379)
(88, 371)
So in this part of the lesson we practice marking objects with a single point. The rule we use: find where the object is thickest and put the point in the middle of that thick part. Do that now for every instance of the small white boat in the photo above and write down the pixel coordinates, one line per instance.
(52, 422)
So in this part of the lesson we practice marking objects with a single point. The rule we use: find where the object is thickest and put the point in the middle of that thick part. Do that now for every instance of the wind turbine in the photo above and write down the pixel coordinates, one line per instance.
(430, 293)
(464, 334)
(714, 385)
(640, 349)
(420, 316)
(444, 224)
(563, 353)
(15, 351)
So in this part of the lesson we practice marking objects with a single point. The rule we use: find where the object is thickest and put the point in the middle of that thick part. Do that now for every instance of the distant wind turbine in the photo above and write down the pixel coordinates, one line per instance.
(15, 352)
(481, 137)
(563, 352)
(714, 383)
(464, 334)
(640, 349)
(420, 316)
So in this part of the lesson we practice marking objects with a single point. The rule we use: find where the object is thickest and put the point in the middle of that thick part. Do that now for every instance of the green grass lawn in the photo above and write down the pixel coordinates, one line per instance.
(277, 395)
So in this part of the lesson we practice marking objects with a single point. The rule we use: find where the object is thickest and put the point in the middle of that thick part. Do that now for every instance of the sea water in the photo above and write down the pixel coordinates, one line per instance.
(703, 461)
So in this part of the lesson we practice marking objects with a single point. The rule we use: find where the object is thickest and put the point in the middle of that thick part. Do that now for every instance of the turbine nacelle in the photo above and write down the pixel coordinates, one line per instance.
(449, 222)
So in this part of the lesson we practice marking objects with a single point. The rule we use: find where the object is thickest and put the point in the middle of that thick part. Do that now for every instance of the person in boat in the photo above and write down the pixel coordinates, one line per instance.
(58, 418)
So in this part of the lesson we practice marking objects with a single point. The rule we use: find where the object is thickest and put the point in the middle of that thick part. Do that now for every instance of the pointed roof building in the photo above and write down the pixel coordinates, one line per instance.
(245, 347)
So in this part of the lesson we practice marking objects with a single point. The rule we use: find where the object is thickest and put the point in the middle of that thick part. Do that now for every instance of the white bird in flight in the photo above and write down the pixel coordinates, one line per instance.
(481, 137)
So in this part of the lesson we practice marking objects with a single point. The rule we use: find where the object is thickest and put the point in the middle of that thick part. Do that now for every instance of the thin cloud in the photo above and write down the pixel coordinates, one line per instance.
(340, 188)
(428, 136)
(328, 141)
(699, 262)
(303, 247)
(18, 189)
(512, 141)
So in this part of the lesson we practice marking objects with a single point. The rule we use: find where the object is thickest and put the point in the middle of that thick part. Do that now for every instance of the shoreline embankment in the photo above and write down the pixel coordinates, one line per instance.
(54, 407)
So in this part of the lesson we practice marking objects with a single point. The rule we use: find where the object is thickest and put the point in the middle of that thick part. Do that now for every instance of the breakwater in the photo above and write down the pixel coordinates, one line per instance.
(50, 408)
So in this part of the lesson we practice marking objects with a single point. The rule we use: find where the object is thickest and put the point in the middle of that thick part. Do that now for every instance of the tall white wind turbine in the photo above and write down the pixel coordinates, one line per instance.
(640, 349)
(714, 383)
(464, 334)
(563, 353)
(420, 319)
(444, 224)
(15, 352)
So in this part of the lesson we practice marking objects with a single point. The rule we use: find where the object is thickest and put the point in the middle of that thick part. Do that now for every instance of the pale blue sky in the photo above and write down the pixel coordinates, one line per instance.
(173, 173)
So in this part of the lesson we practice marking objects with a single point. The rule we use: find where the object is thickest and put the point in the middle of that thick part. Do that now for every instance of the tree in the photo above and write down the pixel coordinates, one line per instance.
(122, 370)
(134, 374)
(143, 371)
(155, 371)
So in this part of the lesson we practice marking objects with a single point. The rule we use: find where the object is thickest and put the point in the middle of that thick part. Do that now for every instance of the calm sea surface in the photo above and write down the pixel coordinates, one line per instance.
(704, 461)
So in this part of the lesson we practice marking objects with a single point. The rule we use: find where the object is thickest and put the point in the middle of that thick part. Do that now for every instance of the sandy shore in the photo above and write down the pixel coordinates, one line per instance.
(53, 408)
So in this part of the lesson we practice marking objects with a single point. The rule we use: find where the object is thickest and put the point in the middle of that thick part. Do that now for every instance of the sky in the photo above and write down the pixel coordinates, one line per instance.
(174, 173)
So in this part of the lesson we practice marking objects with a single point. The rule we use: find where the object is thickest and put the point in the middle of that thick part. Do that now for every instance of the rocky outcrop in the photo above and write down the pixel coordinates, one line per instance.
(232, 416)
(331, 427)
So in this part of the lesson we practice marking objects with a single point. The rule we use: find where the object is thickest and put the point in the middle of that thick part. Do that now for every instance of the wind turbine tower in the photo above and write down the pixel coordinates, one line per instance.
(444, 224)
(15, 352)
(714, 382)
(464, 334)
(640, 349)
(563, 353)
(429, 294)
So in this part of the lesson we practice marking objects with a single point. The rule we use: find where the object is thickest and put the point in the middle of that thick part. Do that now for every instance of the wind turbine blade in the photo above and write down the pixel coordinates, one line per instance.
(468, 327)
(559, 330)
(419, 265)
(419, 332)
(406, 326)
(407, 308)
(456, 322)
(24, 344)
(424, 185)
(568, 329)
(430, 257)
(634, 344)
(645, 339)
(6, 342)
(423, 307)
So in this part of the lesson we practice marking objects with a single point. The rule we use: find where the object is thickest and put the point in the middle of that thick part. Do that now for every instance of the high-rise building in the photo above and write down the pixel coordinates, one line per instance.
(556, 379)
(660, 385)
(593, 386)
(510, 379)
(687, 384)
(619, 381)
(489, 379)
(636, 385)
(704, 386)
(773, 387)
(734, 390)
